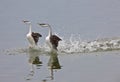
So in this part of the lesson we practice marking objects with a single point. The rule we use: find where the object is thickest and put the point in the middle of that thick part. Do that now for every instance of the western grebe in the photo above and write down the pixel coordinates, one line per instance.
(32, 36)
(51, 40)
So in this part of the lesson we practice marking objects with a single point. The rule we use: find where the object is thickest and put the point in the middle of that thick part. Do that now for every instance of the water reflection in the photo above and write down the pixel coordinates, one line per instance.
(53, 64)
(34, 62)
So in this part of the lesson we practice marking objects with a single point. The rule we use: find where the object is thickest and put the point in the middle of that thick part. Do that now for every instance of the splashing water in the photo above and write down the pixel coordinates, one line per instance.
(76, 45)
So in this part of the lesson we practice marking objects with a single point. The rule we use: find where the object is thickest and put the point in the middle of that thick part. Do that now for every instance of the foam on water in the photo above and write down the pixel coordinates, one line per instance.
(76, 45)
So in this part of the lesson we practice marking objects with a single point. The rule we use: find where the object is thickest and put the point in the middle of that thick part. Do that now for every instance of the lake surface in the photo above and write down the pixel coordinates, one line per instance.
(89, 50)
(96, 67)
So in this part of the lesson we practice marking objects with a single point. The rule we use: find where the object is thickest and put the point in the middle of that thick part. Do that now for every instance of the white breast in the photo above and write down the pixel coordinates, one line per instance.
(31, 40)
(48, 42)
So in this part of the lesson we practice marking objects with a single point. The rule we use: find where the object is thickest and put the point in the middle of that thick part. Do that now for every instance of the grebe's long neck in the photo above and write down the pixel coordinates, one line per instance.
(50, 31)
(30, 28)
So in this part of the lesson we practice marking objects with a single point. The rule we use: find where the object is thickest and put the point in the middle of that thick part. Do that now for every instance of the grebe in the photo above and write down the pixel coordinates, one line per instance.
(32, 36)
(51, 40)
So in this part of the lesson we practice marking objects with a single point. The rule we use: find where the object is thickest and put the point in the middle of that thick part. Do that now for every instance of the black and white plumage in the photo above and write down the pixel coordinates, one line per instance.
(51, 40)
(36, 37)
(32, 36)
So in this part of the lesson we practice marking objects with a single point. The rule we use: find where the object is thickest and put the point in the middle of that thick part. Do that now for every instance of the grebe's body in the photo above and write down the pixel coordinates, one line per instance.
(31, 36)
(51, 40)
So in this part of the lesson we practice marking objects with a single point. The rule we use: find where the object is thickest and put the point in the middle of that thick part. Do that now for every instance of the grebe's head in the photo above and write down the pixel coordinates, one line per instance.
(26, 22)
(44, 24)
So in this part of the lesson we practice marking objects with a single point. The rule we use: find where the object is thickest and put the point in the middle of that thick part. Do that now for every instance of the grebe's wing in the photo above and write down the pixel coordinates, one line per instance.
(36, 36)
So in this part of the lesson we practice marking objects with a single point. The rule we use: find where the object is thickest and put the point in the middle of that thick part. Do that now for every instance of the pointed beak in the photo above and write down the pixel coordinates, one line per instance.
(43, 24)
(26, 22)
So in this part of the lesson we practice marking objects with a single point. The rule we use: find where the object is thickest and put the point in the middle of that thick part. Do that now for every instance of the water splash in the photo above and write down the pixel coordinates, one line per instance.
(75, 44)
(14, 51)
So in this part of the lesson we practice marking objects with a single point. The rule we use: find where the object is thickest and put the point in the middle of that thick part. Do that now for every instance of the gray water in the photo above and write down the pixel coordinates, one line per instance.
(88, 52)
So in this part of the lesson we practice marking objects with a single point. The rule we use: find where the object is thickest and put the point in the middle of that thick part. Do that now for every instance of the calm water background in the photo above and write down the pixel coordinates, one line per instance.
(87, 19)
